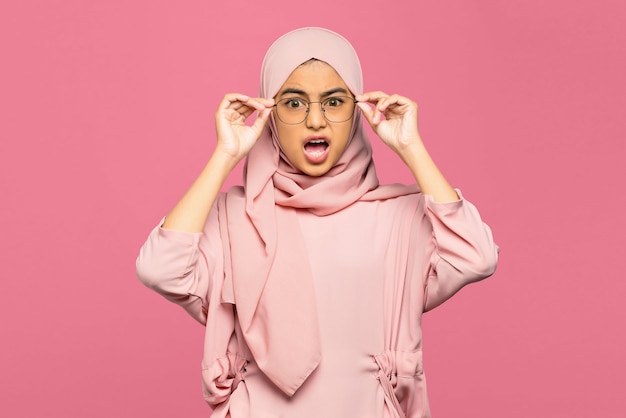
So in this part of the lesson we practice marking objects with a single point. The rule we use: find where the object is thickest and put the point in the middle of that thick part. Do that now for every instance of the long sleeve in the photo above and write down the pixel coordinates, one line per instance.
(464, 250)
(179, 265)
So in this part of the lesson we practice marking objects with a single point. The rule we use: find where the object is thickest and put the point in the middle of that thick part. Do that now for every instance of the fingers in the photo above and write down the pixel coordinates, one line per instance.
(243, 104)
(384, 104)
(371, 97)
(237, 100)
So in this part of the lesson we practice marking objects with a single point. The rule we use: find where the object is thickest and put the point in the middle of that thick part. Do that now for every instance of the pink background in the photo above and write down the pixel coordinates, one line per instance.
(106, 116)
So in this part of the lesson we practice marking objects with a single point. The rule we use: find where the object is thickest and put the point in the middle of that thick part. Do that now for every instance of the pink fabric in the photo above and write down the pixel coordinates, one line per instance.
(269, 271)
(370, 298)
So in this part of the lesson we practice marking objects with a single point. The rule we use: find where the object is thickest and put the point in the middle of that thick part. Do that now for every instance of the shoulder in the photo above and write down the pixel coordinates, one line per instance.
(397, 197)
(234, 197)
(392, 203)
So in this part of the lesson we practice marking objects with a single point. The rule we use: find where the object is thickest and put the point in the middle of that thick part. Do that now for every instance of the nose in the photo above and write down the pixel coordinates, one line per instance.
(315, 119)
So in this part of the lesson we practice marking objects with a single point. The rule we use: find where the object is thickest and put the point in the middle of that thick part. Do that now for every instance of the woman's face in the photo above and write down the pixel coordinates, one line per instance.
(315, 145)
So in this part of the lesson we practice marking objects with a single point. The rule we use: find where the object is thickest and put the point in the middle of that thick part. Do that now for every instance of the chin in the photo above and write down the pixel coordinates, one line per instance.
(315, 171)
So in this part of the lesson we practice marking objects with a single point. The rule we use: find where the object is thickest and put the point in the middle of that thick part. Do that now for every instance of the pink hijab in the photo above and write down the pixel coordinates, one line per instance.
(268, 276)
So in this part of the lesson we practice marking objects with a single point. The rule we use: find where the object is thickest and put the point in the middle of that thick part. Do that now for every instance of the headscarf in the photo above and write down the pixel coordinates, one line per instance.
(268, 276)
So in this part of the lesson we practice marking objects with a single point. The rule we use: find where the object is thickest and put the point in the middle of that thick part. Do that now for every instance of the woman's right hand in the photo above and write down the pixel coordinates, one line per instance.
(234, 138)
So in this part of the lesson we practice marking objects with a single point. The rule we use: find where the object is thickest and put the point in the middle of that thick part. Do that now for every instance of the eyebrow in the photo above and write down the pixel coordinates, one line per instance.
(326, 93)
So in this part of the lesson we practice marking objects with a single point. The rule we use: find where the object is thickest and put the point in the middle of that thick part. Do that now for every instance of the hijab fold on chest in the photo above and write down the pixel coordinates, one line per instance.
(267, 267)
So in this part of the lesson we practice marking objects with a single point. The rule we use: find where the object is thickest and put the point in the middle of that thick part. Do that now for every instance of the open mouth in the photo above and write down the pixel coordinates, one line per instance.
(316, 146)
(316, 150)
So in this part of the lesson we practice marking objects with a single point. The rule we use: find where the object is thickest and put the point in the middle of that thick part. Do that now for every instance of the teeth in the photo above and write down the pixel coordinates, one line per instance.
(317, 141)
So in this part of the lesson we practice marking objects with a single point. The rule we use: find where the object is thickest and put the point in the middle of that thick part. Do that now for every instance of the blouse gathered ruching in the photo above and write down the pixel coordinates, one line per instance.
(370, 299)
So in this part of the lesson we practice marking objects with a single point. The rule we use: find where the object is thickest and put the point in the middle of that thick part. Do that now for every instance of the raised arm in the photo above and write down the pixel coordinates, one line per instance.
(234, 141)
(394, 120)
(183, 252)
(464, 250)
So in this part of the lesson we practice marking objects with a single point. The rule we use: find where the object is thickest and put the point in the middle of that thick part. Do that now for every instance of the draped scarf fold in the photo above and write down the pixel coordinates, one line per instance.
(268, 268)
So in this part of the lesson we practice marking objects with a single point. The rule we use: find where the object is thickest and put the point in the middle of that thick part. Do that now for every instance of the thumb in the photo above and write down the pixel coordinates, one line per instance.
(261, 120)
(367, 112)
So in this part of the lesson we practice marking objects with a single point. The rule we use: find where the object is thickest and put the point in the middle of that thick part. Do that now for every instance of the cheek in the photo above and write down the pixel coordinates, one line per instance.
(345, 135)
(287, 136)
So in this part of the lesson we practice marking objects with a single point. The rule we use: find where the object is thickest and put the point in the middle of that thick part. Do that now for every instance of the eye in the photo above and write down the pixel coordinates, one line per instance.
(334, 101)
(294, 103)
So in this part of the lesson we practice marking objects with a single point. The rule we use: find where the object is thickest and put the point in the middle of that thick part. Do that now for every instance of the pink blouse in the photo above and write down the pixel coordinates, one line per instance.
(370, 320)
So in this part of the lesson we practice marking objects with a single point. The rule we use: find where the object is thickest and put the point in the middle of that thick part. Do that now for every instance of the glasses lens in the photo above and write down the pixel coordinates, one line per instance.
(338, 108)
(294, 110)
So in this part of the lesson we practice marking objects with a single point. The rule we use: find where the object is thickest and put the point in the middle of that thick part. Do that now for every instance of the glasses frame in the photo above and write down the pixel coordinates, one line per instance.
(308, 108)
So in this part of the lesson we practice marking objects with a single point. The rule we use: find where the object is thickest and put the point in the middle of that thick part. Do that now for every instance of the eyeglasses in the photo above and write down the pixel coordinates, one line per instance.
(295, 110)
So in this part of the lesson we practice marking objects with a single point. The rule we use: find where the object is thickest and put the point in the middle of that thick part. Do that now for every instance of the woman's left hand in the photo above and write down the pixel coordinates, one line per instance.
(393, 119)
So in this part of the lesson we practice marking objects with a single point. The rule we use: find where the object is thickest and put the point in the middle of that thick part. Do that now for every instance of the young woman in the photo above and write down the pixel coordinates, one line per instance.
(312, 278)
